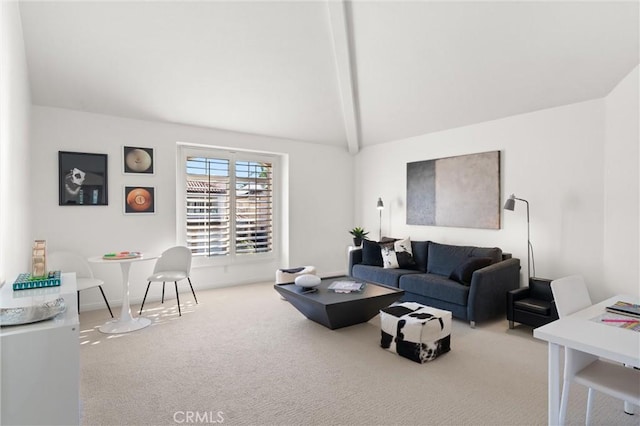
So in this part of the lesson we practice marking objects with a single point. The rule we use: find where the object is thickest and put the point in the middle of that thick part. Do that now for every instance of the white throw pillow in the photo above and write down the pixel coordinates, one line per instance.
(389, 259)
(403, 245)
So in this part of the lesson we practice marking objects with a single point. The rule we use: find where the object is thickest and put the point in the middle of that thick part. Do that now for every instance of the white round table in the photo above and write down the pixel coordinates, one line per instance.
(126, 322)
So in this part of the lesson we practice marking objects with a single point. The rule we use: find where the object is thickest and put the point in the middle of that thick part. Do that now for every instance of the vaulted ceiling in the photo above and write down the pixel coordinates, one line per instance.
(349, 74)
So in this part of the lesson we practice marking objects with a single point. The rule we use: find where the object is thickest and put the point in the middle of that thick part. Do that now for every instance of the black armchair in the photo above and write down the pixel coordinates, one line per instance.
(533, 305)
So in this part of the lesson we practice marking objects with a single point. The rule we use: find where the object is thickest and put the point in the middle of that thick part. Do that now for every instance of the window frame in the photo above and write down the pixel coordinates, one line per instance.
(232, 155)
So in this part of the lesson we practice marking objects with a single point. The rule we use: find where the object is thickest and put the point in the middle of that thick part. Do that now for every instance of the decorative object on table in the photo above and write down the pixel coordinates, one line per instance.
(625, 308)
(173, 265)
(139, 199)
(414, 331)
(510, 205)
(39, 259)
(359, 234)
(307, 281)
(26, 281)
(137, 160)
(122, 255)
(82, 179)
(31, 314)
(380, 207)
(346, 286)
(462, 191)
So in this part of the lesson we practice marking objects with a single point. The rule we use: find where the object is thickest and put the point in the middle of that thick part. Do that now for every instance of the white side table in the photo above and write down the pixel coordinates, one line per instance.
(126, 322)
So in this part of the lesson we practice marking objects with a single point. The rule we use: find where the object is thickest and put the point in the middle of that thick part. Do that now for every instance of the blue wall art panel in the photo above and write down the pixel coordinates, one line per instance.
(461, 191)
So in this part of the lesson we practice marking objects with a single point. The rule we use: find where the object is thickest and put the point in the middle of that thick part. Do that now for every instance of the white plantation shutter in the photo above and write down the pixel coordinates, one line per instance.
(221, 221)
(253, 204)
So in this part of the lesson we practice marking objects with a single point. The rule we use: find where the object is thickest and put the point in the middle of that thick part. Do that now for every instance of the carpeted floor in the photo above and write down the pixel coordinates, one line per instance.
(244, 356)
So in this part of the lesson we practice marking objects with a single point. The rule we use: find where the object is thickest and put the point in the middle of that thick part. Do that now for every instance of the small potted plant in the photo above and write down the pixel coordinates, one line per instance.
(359, 234)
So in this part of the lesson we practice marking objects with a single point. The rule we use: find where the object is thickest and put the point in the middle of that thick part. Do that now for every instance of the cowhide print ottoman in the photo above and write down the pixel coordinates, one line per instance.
(414, 331)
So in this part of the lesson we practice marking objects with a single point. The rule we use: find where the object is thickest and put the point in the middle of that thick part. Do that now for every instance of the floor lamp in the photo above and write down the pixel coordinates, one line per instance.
(380, 207)
(510, 205)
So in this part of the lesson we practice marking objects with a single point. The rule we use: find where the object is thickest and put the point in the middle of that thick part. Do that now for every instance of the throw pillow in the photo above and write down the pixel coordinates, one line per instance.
(371, 253)
(389, 259)
(464, 272)
(404, 254)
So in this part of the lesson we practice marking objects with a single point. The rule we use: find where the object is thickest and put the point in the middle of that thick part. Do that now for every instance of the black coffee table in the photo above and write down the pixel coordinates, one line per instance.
(337, 310)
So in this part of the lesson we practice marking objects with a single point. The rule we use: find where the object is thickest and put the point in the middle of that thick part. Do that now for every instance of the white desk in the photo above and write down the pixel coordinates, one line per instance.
(126, 322)
(41, 361)
(577, 331)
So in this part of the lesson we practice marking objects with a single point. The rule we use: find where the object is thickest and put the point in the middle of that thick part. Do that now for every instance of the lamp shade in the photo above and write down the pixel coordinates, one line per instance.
(510, 204)
(380, 204)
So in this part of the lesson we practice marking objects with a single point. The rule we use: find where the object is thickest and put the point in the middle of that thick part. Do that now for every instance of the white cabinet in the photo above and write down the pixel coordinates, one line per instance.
(41, 361)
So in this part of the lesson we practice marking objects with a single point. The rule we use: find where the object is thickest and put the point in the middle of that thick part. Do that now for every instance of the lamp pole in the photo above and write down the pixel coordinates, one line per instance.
(510, 205)
(380, 206)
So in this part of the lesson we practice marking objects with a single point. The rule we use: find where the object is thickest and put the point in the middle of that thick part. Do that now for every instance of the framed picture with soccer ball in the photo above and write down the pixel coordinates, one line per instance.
(137, 160)
(82, 179)
(139, 200)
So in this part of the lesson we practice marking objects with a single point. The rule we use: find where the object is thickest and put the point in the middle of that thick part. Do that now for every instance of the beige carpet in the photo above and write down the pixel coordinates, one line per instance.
(244, 356)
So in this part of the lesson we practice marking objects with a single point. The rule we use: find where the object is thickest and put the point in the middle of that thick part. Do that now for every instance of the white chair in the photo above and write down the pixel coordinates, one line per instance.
(571, 295)
(173, 265)
(65, 261)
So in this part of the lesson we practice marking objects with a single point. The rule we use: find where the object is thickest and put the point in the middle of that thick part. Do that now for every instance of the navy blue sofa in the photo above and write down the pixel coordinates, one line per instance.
(470, 282)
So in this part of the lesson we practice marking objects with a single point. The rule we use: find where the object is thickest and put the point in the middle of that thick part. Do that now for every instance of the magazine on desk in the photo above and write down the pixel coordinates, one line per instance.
(625, 308)
(346, 286)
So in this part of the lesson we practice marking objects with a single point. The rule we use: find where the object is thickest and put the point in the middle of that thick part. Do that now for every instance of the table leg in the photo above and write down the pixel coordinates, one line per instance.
(125, 313)
(126, 322)
(554, 384)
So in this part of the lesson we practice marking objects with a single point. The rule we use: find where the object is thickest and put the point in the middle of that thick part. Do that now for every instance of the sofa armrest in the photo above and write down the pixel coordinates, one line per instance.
(355, 258)
(489, 287)
(515, 295)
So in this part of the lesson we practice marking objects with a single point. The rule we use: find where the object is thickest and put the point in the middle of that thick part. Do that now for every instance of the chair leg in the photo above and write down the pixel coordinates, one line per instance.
(78, 300)
(564, 400)
(162, 292)
(178, 298)
(105, 299)
(145, 297)
(590, 396)
(194, 293)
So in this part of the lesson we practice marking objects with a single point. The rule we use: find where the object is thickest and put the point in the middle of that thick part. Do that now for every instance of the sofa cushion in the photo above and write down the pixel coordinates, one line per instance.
(540, 307)
(435, 287)
(494, 253)
(444, 258)
(371, 253)
(463, 272)
(420, 251)
(380, 275)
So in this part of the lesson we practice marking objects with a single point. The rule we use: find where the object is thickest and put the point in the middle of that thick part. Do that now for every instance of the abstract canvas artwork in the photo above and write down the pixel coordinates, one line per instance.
(461, 191)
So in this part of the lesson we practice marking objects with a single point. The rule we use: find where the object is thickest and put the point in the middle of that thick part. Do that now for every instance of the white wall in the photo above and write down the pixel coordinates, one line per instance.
(621, 186)
(15, 167)
(552, 158)
(319, 214)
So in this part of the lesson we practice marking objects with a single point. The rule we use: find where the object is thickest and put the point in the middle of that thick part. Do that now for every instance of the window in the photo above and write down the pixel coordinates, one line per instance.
(229, 203)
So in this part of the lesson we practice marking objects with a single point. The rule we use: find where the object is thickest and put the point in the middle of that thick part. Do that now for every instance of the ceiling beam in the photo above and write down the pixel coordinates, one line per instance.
(345, 70)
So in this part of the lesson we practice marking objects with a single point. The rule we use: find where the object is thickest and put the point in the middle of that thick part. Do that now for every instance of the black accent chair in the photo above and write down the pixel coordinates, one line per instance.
(533, 305)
